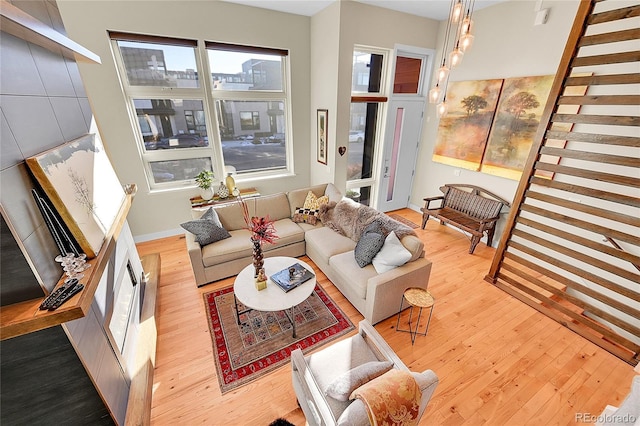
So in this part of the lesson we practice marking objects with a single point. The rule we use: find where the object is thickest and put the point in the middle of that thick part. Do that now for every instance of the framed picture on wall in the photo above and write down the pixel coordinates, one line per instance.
(80, 182)
(322, 135)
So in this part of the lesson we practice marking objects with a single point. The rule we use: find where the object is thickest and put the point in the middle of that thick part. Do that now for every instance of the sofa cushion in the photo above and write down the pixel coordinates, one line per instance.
(369, 244)
(344, 265)
(297, 196)
(237, 247)
(288, 232)
(391, 255)
(342, 386)
(275, 206)
(328, 243)
(231, 217)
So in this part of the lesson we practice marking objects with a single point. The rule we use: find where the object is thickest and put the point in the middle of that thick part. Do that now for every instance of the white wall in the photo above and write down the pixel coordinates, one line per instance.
(325, 43)
(359, 24)
(506, 44)
(87, 22)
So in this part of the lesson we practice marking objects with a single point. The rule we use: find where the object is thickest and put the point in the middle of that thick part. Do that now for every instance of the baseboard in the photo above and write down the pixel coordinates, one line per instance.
(158, 235)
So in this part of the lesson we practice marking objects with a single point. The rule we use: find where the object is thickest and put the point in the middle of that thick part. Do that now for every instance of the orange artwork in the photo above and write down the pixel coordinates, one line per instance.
(463, 131)
(521, 104)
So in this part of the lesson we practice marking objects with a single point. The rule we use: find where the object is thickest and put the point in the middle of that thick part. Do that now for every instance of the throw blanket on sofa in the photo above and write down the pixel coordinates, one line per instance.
(349, 218)
(391, 399)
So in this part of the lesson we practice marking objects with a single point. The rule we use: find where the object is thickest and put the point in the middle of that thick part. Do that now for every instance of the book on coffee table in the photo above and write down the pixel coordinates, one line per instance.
(291, 277)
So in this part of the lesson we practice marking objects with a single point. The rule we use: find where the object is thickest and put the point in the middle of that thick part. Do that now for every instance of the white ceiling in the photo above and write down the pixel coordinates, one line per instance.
(434, 9)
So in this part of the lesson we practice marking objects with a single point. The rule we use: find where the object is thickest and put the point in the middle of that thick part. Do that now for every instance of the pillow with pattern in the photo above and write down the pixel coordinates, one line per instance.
(313, 202)
(303, 215)
(207, 229)
(369, 244)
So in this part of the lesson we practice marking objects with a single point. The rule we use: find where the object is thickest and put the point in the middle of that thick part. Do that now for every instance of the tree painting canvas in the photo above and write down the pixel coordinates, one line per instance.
(463, 131)
(520, 107)
(80, 181)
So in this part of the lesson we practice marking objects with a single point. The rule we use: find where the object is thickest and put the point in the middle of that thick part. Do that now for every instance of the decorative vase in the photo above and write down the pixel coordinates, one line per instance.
(223, 191)
(231, 183)
(258, 258)
(207, 193)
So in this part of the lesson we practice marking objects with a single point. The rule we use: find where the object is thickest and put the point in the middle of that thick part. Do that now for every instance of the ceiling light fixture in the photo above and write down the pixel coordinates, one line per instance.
(457, 40)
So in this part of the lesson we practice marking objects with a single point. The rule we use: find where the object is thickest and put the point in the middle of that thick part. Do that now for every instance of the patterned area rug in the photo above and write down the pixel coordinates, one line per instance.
(403, 220)
(263, 341)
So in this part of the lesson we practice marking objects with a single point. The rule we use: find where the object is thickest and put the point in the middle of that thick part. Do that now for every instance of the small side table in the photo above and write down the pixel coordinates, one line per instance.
(422, 299)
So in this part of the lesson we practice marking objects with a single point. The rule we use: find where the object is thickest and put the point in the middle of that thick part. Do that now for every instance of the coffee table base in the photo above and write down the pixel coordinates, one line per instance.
(286, 313)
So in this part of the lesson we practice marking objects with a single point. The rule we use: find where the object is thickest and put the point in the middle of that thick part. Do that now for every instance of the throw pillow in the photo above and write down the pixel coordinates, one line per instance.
(342, 386)
(314, 202)
(302, 215)
(391, 255)
(369, 244)
(355, 414)
(212, 214)
(207, 229)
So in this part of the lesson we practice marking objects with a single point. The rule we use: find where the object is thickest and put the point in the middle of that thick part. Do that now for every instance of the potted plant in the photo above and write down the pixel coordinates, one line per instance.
(204, 180)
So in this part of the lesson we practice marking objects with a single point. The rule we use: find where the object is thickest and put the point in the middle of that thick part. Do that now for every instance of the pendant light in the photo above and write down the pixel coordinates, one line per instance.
(457, 40)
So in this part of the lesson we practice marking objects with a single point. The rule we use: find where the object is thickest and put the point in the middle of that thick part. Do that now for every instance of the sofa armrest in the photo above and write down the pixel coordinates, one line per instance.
(384, 291)
(195, 256)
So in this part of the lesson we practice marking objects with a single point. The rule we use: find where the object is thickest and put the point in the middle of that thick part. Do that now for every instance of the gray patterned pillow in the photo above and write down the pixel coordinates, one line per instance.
(207, 229)
(369, 244)
(211, 214)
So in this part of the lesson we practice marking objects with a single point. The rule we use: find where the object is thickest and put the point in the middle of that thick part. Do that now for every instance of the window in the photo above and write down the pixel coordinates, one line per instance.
(183, 120)
(366, 105)
(250, 120)
(251, 103)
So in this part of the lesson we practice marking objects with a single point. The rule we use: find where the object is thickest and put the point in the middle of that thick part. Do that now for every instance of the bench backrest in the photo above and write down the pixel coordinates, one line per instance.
(468, 203)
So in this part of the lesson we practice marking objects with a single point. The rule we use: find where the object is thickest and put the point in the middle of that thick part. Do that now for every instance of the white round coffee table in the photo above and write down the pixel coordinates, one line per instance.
(272, 298)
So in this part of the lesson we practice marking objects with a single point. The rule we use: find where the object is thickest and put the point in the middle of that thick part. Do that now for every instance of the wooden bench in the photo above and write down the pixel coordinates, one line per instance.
(468, 207)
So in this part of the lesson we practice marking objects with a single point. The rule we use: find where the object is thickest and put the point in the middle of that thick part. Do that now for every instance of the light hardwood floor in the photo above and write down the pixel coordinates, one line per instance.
(500, 362)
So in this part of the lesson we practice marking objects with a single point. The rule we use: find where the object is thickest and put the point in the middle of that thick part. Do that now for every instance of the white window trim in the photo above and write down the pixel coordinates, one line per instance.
(208, 96)
(373, 181)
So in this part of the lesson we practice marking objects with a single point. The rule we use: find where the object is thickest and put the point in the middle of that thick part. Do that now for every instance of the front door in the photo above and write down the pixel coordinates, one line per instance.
(404, 126)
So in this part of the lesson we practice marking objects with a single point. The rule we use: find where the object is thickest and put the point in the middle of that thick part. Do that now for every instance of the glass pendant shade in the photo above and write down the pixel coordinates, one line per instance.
(457, 12)
(434, 94)
(443, 73)
(466, 41)
(455, 57)
(442, 108)
(467, 23)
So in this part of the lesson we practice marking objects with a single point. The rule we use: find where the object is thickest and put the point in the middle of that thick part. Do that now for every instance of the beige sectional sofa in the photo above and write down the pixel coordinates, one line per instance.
(376, 296)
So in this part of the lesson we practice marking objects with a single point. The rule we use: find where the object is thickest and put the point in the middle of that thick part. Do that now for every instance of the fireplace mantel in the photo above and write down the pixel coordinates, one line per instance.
(26, 317)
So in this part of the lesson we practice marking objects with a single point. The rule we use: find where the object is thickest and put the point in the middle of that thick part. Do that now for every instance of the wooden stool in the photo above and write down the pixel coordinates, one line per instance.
(422, 299)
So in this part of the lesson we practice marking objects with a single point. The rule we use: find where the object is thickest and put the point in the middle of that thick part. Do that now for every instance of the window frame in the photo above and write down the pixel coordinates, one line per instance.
(208, 96)
(380, 98)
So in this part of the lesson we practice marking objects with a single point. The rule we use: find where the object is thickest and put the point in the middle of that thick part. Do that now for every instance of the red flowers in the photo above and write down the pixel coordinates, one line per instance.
(262, 229)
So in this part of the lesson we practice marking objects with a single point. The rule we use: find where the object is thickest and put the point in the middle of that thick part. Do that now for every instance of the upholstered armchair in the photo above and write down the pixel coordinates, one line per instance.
(315, 377)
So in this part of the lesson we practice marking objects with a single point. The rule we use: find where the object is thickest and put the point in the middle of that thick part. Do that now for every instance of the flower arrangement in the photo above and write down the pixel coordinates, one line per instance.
(262, 229)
